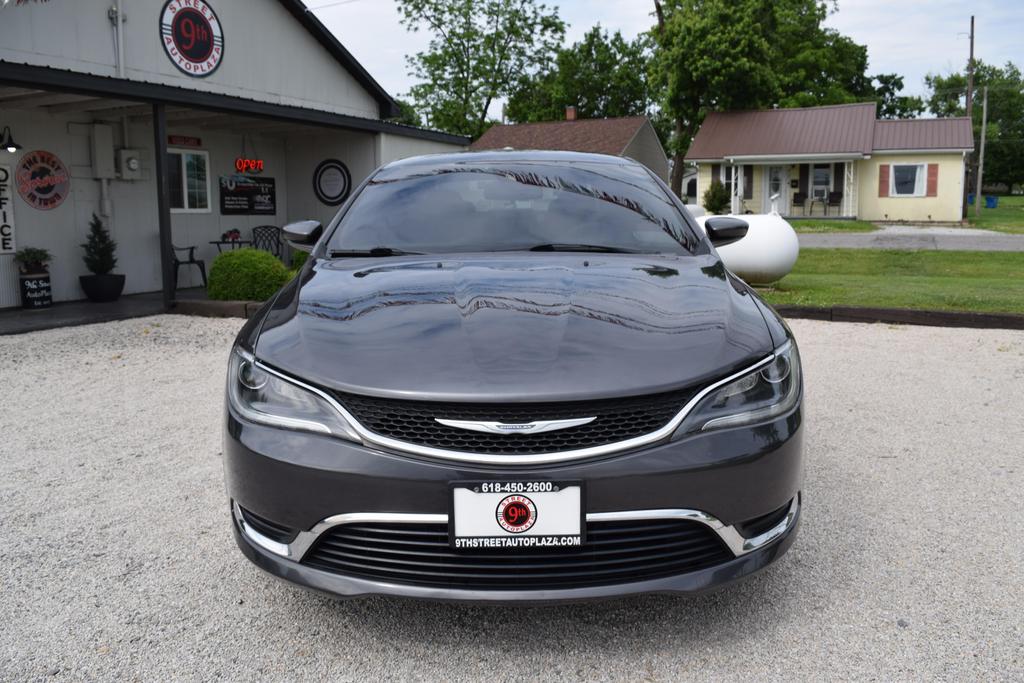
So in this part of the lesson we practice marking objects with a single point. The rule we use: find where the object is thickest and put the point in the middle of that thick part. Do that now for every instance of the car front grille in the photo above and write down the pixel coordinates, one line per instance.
(613, 553)
(617, 420)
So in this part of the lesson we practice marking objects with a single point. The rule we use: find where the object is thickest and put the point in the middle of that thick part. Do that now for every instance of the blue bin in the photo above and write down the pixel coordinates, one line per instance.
(991, 202)
(970, 198)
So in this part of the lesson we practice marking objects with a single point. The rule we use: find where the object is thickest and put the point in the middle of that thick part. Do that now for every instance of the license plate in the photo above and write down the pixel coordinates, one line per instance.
(516, 514)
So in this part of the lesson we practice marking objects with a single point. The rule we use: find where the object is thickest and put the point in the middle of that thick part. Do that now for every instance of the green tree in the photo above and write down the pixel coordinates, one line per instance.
(407, 114)
(892, 105)
(1004, 139)
(720, 55)
(477, 52)
(602, 76)
(100, 248)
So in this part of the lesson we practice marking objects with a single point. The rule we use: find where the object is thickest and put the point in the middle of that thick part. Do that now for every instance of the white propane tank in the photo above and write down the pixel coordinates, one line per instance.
(766, 254)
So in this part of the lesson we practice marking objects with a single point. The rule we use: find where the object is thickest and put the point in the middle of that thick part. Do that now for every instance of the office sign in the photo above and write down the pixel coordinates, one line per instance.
(192, 36)
(42, 179)
(7, 245)
(245, 196)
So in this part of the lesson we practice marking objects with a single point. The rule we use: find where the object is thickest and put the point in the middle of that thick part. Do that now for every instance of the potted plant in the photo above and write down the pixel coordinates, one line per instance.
(34, 276)
(99, 258)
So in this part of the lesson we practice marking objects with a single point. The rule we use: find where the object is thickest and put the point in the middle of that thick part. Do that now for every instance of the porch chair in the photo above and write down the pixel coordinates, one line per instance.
(800, 199)
(267, 238)
(834, 199)
(190, 261)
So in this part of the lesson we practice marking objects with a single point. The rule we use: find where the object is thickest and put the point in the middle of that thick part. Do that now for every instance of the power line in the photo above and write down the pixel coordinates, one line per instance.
(330, 4)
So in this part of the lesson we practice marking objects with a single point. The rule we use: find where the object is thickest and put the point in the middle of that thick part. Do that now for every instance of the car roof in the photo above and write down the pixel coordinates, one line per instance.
(511, 156)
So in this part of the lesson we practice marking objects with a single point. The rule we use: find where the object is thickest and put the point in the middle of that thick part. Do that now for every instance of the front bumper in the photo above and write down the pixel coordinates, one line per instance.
(772, 545)
(303, 481)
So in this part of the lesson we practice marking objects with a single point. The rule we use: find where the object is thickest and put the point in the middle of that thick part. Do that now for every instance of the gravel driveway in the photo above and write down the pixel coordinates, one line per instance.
(118, 562)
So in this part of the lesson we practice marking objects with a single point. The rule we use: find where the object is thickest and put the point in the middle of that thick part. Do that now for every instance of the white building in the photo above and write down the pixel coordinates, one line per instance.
(261, 114)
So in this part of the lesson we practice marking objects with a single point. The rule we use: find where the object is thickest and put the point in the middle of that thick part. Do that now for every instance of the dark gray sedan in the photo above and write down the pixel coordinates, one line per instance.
(514, 376)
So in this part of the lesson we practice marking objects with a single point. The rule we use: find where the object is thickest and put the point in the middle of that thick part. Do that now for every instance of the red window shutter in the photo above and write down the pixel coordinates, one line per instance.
(883, 180)
(933, 180)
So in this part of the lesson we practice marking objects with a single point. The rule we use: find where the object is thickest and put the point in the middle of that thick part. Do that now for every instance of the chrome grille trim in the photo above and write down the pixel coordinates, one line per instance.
(733, 539)
(373, 439)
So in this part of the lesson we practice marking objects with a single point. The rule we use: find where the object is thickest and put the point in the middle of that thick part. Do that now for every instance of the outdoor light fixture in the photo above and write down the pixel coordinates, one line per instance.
(7, 141)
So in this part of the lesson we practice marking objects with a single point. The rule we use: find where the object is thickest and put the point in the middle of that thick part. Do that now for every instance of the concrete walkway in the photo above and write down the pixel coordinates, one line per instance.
(913, 238)
(72, 313)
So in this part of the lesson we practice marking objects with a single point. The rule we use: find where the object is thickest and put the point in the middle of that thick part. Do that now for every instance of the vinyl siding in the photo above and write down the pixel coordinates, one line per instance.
(944, 207)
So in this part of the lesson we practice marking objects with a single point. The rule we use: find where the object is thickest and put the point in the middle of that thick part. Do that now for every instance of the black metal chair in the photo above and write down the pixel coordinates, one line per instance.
(800, 199)
(190, 261)
(834, 199)
(268, 238)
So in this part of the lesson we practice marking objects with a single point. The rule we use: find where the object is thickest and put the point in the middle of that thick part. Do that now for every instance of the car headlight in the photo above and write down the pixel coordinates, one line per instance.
(771, 390)
(268, 398)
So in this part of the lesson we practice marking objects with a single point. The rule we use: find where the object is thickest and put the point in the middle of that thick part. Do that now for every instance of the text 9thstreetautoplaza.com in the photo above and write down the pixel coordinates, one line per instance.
(518, 542)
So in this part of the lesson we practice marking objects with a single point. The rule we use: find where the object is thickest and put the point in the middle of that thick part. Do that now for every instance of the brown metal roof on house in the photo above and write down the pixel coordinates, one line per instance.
(602, 136)
(837, 129)
(915, 134)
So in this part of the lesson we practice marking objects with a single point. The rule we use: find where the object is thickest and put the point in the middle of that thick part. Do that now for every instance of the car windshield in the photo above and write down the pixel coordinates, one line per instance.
(520, 205)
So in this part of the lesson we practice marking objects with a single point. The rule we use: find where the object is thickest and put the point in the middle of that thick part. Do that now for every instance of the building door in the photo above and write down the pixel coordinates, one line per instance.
(778, 188)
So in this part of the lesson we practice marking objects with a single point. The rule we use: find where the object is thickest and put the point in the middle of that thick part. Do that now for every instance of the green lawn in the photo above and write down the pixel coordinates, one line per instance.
(826, 225)
(1008, 217)
(991, 282)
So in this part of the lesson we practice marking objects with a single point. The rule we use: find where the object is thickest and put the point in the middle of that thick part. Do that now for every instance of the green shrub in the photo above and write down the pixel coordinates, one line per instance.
(716, 198)
(299, 258)
(246, 275)
(32, 260)
(100, 249)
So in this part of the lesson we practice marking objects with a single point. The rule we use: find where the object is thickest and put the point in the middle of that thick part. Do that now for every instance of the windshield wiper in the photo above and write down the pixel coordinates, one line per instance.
(583, 247)
(375, 252)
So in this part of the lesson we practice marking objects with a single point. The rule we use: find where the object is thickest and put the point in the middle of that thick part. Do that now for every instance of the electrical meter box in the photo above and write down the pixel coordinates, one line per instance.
(129, 164)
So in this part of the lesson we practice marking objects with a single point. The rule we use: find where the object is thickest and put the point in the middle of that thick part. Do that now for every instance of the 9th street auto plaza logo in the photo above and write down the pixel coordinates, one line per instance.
(516, 514)
(192, 36)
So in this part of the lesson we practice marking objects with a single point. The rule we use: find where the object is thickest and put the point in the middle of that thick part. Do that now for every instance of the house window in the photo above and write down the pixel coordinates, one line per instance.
(727, 178)
(907, 180)
(822, 181)
(189, 180)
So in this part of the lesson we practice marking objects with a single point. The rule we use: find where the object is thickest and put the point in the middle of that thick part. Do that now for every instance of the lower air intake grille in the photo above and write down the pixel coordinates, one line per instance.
(272, 530)
(614, 552)
(618, 419)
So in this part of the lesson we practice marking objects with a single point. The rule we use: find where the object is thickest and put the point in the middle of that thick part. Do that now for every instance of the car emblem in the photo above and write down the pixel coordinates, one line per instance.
(537, 427)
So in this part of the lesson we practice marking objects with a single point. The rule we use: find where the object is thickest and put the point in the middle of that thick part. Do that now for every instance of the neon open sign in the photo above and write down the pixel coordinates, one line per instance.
(243, 165)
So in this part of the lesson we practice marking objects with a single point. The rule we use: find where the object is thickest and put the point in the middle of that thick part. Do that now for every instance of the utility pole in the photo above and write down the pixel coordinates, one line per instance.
(981, 152)
(970, 72)
(970, 100)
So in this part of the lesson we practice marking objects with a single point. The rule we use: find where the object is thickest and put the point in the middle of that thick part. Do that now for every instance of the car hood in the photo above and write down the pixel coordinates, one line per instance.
(513, 327)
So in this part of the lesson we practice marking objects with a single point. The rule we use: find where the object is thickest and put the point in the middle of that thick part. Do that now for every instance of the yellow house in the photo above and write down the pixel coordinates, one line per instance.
(838, 160)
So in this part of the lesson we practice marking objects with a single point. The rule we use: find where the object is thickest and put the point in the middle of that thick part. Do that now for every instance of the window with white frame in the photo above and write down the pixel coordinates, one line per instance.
(907, 180)
(188, 177)
(727, 173)
(822, 181)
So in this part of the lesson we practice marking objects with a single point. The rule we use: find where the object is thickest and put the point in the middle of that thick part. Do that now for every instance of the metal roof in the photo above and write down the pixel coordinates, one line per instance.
(846, 129)
(914, 134)
(603, 136)
(298, 9)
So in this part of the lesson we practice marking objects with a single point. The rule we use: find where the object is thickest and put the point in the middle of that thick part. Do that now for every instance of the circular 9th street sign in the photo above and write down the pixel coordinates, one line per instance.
(332, 182)
(192, 36)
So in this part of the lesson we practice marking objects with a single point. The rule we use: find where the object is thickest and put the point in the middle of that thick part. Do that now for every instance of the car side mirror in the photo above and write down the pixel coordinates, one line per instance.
(303, 234)
(723, 230)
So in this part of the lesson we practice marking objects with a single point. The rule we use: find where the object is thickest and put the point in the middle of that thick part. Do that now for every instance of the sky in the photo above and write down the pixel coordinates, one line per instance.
(909, 37)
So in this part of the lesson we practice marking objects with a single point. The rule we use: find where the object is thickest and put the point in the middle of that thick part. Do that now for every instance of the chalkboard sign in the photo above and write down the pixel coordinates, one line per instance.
(35, 291)
(244, 196)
